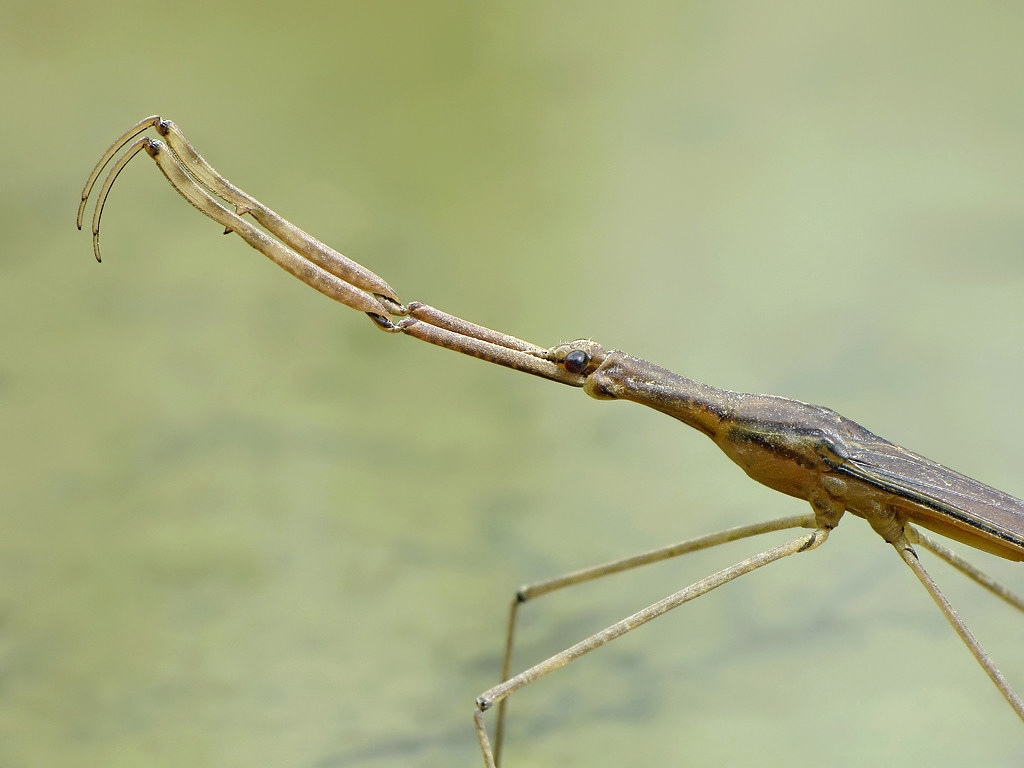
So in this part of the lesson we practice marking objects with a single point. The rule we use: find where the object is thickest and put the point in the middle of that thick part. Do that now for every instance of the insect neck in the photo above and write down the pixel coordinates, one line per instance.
(623, 377)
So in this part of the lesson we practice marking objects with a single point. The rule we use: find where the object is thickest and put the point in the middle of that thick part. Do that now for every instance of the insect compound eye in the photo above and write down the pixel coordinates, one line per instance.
(576, 361)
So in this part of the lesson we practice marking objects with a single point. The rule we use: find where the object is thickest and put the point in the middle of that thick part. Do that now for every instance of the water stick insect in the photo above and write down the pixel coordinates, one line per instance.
(801, 450)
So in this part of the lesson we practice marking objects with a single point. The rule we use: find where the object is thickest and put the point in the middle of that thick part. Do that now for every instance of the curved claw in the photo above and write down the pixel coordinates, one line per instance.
(319, 266)
(113, 149)
(101, 198)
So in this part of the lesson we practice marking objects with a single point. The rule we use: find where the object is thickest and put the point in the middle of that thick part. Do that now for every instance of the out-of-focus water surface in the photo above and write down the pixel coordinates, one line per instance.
(240, 526)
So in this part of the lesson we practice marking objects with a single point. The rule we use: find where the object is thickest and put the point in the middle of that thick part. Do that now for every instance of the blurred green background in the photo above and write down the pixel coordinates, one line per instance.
(242, 527)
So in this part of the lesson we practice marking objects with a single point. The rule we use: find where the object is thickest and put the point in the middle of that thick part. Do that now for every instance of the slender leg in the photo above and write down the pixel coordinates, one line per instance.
(328, 283)
(972, 572)
(308, 259)
(200, 174)
(906, 551)
(501, 691)
(531, 591)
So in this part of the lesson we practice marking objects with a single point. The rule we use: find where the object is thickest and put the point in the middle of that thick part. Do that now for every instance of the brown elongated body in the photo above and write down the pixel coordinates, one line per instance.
(798, 449)
(816, 454)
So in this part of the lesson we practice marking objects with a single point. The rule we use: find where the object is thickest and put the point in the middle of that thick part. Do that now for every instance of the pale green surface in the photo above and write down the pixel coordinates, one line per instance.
(241, 527)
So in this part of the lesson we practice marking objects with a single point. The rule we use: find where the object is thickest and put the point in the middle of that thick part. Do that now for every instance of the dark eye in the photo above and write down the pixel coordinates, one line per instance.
(576, 361)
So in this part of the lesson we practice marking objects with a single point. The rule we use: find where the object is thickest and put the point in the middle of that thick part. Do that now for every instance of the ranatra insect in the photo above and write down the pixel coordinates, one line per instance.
(801, 450)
